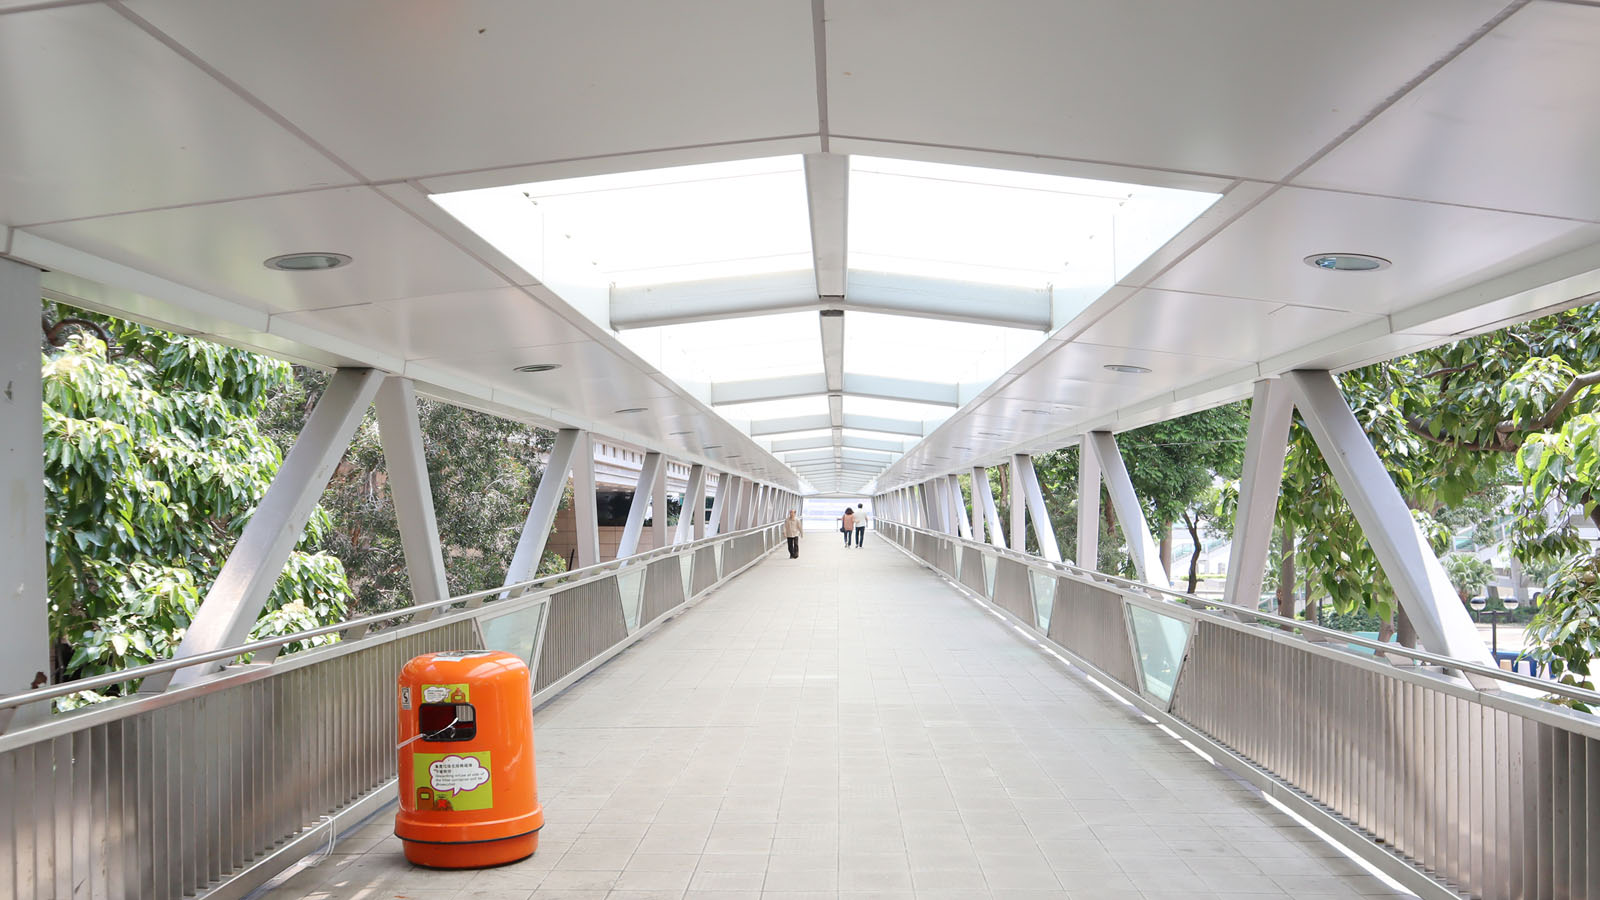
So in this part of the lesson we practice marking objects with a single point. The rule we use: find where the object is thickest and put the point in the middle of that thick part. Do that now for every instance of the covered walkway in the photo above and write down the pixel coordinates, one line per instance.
(850, 724)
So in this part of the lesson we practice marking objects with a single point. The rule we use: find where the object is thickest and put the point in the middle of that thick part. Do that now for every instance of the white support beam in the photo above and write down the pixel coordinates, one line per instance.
(884, 388)
(1420, 582)
(788, 424)
(983, 493)
(542, 513)
(1044, 533)
(691, 524)
(658, 510)
(230, 608)
(1019, 508)
(651, 474)
(400, 432)
(719, 504)
(585, 503)
(879, 387)
(763, 427)
(1088, 506)
(832, 325)
(963, 518)
(756, 390)
(712, 298)
(24, 592)
(828, 198)
(1130, 515)
(941, 298)
(886, 425)
(1271, 411)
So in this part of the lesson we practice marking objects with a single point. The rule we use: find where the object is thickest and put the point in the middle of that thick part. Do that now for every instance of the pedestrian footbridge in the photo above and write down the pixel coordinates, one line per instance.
(792, 251)
(926, 716)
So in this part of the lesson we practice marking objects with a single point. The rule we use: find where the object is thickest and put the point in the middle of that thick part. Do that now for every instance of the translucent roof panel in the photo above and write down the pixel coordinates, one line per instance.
(815, 405)
(997, 226)
(732, 349)
(650, 227)
(895, 409)
(934, 350)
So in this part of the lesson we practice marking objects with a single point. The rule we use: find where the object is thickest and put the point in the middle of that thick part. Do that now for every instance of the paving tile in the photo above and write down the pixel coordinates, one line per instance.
(847, 726)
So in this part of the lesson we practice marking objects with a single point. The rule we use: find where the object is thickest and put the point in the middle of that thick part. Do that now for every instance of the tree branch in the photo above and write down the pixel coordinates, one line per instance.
(1567, 396)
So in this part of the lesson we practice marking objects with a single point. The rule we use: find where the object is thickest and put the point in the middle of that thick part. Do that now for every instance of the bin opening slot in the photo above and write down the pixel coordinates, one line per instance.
(447, 722)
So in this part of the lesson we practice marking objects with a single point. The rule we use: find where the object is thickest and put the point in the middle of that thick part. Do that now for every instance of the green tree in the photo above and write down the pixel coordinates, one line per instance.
(1464, 420)
(482, 469)
(1469, 574)
(153, 464)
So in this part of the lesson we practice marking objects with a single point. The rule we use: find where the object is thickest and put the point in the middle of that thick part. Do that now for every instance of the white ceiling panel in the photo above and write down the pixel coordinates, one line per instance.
(1239, 87)
(220, 248)
(1220, 327)
(1435, 249)
(445, 324)
(403, 88)
(101, 117)
(1470, 135)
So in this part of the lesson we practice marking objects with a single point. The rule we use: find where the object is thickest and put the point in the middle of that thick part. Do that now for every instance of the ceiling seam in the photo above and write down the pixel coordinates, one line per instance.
(1427, 72)
(200, 204)
(1445, 203)
(237, 89)
(819, 41)
(47, 5)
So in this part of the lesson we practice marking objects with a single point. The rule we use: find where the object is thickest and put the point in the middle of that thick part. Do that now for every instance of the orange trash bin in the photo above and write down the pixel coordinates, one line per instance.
(468, 792)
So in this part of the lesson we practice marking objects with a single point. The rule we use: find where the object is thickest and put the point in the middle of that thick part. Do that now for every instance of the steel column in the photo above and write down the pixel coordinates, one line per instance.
(722, 508)
(691, 521)
(1419, 581)
(1130, 515)
(1088, 506)
(652, 474)
(1044, 532)
(585, 503)
(24, 599)
(542, 513)
(983, 499)
(963, 518)
(400, 432)
(1019, 509)
(659, 535)
(1271, 411)
(230, 608)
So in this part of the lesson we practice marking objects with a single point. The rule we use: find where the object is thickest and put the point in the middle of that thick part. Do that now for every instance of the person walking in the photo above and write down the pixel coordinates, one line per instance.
(847, 524)
(791, 533)
(861, 525)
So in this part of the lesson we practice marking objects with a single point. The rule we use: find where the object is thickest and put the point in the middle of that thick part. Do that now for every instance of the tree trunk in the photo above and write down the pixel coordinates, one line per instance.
(1286, 572)
(1165, 549)
(1194, 558)
(1408, 634)
(1385, 630)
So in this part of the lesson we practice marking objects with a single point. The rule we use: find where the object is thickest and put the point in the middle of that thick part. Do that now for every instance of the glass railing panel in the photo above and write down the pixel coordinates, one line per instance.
(716, 550)
(630, 585)
(988, 572)
(516, 632)
(1044, 596)
(1158, 648)
(686, 566)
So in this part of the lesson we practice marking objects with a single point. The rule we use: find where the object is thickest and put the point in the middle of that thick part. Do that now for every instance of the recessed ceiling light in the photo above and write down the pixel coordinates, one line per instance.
(633, 409)
(307, 262)
(711, 447)
(960, 448)
(1346, 262)
(731, 455)
(1037, 412)
(1127, 370)
(988, 434)
(679, 433)
(532, 368)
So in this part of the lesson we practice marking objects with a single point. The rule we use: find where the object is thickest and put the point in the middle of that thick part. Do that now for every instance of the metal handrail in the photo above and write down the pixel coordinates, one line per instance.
(517, 591)
(1342, 637)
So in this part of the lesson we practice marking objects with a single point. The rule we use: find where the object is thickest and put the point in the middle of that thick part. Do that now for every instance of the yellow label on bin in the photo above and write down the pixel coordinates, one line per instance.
(446, 693)
(452, 781)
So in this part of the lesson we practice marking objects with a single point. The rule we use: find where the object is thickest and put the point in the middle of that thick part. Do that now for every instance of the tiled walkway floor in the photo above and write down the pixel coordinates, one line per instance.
(848, 725)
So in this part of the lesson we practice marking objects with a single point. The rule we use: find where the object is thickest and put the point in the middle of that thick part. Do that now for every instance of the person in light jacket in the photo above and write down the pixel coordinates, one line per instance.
(847, 524)
(791, 533)
(861, 526)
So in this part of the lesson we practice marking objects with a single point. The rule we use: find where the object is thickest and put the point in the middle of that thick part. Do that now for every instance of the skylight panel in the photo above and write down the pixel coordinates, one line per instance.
(739, 349)
(659, 226)
(895, 409)
(932, 349)
(788, 407)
